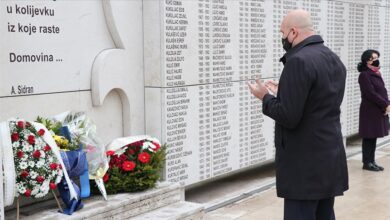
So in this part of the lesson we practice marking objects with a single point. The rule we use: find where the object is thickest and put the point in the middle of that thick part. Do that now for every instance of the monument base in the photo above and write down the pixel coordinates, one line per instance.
(166, 201)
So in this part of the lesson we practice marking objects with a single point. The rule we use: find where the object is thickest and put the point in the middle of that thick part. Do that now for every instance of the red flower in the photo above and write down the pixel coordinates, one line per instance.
(110, 153)
(128, 165)
(116, 161)
(20, 124)
(19, 154)
(14, 137)
(40, 179)
(41, 132)
(131, 152)
(118, 164)
(47, 148)
(31, 139)
(106, 177)
(52, 186)
(53, 166)
(28, 124)
(157, 146)
(122, 157)
(59, 166)
(36, 154)
(27, 193)
(24, 174)
(144, 157)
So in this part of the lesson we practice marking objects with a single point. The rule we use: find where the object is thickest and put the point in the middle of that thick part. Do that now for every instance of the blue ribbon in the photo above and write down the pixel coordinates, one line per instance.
(76, 165)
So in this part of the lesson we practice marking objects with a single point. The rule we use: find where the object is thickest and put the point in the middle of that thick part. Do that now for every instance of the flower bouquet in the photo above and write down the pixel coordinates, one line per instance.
(37, 169)
(75, 164)
(135, 164)
(82, 151)
(38, 166)
(83, 130)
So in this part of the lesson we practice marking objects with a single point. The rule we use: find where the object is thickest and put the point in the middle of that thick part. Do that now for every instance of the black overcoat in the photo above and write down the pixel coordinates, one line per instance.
(372, 121)
(310, 157)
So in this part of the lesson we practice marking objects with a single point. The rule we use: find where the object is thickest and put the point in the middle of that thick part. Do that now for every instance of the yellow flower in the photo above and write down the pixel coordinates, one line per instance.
(61, 141)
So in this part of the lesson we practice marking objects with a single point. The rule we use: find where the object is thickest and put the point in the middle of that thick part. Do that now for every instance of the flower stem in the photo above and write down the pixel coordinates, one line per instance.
(58, 202)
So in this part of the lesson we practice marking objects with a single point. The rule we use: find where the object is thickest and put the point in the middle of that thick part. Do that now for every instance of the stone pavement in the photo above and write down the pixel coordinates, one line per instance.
(367, 199)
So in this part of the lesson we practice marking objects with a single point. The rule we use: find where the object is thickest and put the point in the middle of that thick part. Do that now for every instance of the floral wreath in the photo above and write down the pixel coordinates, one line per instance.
(36, 166)
(135, 166)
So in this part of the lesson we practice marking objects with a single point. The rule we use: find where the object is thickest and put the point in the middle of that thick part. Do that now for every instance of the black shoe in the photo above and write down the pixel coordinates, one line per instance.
(380, 167)
(371, 167)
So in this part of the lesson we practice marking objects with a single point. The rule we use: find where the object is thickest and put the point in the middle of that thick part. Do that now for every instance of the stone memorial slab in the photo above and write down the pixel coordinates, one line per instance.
(123, 206)
(204, 53)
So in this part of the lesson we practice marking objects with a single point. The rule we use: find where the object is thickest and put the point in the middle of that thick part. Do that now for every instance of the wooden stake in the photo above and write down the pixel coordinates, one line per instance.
(58, 202)
(17, 209)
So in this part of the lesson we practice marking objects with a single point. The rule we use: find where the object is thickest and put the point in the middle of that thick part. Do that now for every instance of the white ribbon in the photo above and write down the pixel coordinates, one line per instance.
(50, 141)
(121, 142)
(1, 186)
(7, 163)
(100, 184)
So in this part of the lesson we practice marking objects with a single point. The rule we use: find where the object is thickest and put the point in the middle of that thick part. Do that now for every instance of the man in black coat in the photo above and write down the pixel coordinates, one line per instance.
(310, 160)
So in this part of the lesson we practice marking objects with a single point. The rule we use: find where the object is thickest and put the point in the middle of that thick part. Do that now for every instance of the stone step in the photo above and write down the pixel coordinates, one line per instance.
(180, 210)
(121, 206)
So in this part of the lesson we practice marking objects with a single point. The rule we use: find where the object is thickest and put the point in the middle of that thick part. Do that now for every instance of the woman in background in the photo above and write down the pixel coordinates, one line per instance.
(374, 108)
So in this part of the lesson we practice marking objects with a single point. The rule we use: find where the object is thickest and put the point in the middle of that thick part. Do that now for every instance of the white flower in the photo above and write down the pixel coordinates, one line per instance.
(21, 188)
(27, 147)
(39, 142)
(43, 154)
(40, 195)
(31, 164)
(24, 158)
(40, 163)
(51, 159)
(26, 133)
(35, 190)
(23, 165)
(12, 126)
(33, 174)
(15, 144)
(45, 187)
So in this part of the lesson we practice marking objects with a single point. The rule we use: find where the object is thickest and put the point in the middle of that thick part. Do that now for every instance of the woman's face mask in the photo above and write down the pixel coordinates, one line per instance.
(375, 63)
(374, 60)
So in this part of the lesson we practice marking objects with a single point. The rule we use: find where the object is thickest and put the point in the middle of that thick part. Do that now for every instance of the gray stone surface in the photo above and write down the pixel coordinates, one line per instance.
(121, 206)
(181, 210)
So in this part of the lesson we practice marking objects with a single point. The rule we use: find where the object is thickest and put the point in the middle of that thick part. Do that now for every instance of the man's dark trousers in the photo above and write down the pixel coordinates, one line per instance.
(309, 209)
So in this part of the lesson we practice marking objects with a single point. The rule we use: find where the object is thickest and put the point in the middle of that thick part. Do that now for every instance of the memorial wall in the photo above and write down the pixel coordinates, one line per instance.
(61, 55)
(174, 69)
(199, 55)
